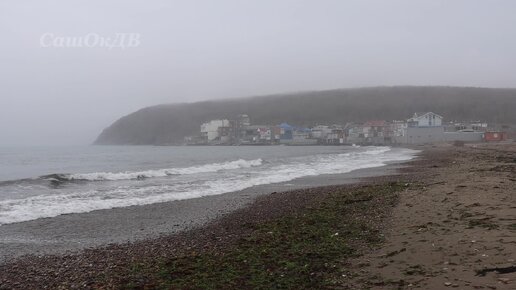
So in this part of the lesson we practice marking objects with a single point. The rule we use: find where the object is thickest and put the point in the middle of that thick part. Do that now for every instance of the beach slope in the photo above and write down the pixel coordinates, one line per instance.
(448, 220)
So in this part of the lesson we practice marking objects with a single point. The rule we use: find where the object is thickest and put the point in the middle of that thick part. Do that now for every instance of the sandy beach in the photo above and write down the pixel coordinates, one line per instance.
(446, 220)
(458, 230)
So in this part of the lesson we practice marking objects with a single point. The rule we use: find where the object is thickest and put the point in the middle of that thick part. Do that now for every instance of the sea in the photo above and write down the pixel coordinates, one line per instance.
(42, 182)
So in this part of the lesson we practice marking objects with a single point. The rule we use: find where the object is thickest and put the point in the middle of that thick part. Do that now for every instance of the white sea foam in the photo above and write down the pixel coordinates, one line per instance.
(213, 167)
(34, 207)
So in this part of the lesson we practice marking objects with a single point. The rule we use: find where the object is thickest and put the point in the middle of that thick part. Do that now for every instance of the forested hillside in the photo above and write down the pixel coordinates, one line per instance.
(170, 123)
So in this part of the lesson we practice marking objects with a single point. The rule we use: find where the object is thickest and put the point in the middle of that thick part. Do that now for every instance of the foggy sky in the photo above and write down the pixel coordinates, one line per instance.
(197, 50)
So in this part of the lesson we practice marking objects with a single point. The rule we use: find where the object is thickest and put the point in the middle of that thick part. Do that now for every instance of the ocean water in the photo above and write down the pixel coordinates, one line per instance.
(39, 182)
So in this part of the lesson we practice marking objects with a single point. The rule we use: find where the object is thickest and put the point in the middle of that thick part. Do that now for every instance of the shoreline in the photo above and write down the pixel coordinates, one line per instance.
(73, 233)
(117, 265)
(446, 220)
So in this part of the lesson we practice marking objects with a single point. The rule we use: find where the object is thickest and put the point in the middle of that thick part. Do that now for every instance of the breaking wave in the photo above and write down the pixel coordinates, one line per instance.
(189, 184)
(104, 176)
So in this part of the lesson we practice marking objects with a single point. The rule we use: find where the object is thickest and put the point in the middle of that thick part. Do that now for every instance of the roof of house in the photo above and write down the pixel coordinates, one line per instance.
(421, 114)
(286, 126)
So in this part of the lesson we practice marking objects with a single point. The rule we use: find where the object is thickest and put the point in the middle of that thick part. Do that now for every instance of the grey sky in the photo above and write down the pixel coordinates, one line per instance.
(197, 50)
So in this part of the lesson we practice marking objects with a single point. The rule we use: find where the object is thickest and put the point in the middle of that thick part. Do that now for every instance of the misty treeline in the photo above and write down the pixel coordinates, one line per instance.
(169, 124)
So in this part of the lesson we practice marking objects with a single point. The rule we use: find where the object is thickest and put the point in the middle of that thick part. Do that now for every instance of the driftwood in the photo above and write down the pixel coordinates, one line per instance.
(499, 270)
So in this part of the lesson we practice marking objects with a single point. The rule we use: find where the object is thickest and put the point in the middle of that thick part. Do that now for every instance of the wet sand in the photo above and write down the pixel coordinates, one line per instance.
(75, 232)
(457, 230)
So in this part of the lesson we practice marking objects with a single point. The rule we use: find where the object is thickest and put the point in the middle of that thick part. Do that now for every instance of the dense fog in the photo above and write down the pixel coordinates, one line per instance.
(56, 90)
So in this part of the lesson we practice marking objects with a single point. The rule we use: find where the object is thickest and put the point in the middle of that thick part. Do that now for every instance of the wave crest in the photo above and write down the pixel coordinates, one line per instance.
(106, 176)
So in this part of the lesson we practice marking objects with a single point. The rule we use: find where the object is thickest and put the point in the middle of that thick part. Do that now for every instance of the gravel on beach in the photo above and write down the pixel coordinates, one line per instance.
(453, 226)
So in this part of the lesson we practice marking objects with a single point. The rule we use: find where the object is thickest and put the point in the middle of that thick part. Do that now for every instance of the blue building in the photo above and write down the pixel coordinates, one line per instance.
(286, 131)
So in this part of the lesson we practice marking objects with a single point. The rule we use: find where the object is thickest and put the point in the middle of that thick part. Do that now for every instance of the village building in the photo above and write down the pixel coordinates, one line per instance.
(377, 132)
(336, 137)
(428, 119)
(465, 131)
(267, 135)
(275, 134)
(355, 134)
(210, 130)
(290, 135)
(239, 126)
(495, 136)
(328, 135)
(422, 128)
(476, 126)
(398, 128)
(255, 134)
(286, 131)
(321, 131)
(302, 136)
(374, 132)
(225, 134)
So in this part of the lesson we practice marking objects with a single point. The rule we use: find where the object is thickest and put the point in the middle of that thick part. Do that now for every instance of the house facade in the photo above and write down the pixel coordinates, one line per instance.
(495, 136)
(210, 130)
(422, 128)
(427, 119)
